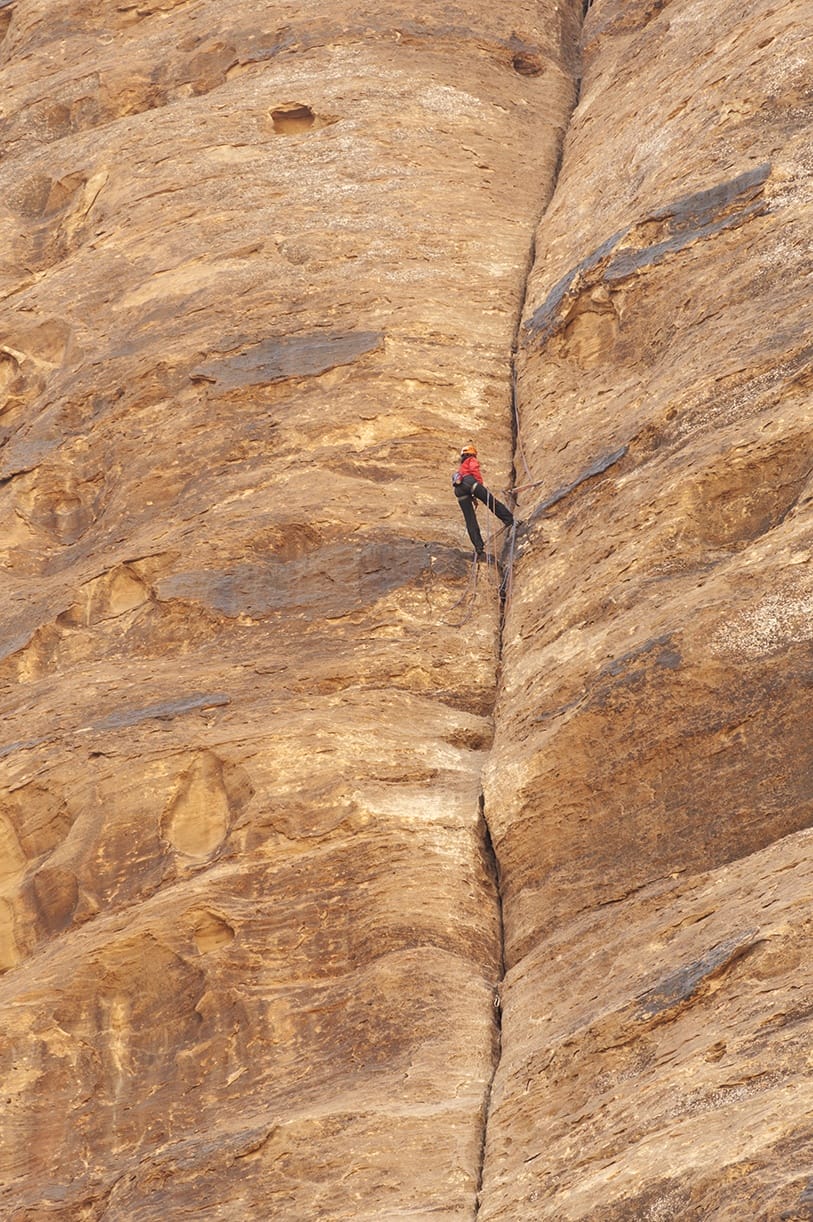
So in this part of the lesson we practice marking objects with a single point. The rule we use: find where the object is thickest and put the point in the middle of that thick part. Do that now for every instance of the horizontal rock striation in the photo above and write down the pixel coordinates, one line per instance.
(649, 788)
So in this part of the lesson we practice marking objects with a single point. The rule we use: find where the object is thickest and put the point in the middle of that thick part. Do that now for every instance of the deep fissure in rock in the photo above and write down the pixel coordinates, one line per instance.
(492, 867)
(490, 856)
(516, 438)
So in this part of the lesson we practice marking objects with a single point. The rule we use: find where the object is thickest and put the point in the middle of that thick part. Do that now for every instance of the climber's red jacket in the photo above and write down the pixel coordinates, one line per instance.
(470, 466)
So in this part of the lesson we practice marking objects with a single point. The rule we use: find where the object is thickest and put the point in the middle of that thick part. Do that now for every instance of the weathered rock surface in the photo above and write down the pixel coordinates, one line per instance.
(261, 268)
(656, 1054)
(650, 779)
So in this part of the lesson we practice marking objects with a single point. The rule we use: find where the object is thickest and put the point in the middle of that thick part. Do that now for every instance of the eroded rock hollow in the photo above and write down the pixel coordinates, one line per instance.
(341, 878)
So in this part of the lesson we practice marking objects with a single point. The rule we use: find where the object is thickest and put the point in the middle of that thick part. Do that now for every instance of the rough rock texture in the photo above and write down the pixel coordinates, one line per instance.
(261, 267)
(651, 774)
(656, 1054)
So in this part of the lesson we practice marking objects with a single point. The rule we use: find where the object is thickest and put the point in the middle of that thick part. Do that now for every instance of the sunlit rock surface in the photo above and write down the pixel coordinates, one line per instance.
(651, 775)
(262, 268)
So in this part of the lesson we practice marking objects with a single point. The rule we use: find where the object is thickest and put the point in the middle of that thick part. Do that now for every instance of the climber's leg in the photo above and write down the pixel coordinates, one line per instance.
(502, 511)
(470, 515)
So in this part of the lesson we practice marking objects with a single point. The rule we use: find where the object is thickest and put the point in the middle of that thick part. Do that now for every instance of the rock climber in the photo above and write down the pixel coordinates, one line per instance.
(467, 482)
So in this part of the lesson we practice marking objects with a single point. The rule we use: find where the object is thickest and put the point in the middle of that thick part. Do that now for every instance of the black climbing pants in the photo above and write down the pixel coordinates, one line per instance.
(464, 492)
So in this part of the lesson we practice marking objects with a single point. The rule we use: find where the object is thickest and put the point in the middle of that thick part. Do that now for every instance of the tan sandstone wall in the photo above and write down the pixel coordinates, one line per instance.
(261, 268)
(650, 786)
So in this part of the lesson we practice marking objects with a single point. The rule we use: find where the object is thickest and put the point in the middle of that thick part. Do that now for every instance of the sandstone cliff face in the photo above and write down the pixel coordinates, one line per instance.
(649, 788)
(263, 270)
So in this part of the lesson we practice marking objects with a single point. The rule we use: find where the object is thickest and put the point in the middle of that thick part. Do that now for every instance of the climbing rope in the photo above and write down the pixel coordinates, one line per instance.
(515, 408)
(467, 597)
(506, 585)
(489, 539)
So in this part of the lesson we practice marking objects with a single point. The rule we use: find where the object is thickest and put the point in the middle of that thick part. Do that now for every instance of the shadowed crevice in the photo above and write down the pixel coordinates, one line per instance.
(490, 856)
(492, 868)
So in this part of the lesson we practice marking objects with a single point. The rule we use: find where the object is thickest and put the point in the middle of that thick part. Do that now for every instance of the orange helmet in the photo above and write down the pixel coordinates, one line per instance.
(469, 451)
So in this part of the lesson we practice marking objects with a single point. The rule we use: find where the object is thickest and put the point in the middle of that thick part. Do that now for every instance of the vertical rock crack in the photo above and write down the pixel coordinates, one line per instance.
(490, 857)
(492, 867)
